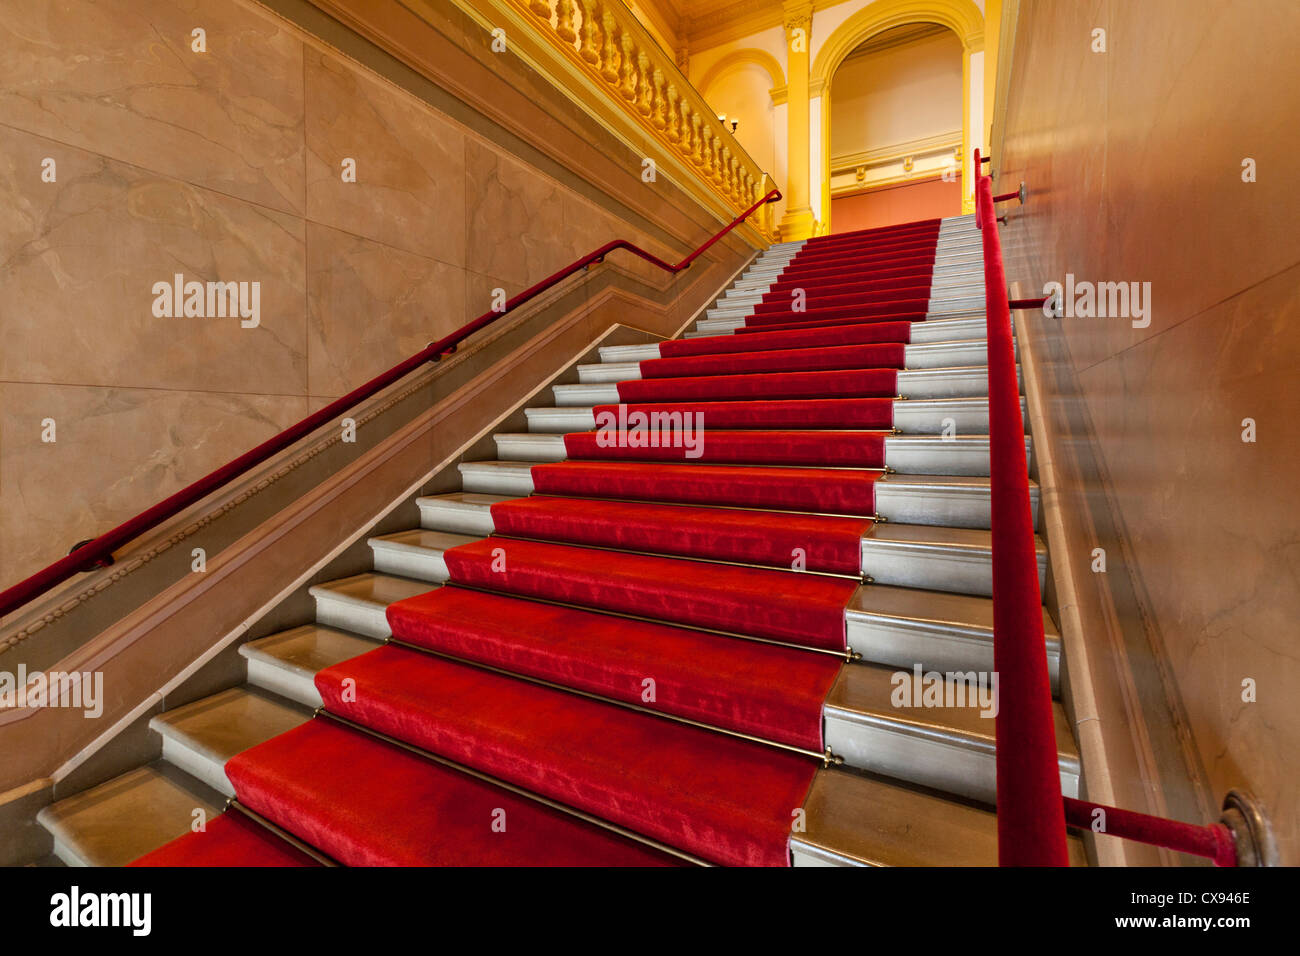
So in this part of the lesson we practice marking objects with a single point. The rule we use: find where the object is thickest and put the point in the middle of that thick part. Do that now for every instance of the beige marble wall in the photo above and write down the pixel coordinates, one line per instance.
(1134, 163)
(226, 165)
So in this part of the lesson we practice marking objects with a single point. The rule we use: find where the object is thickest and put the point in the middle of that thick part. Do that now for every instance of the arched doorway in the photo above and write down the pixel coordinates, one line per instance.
(961, 17)
(895, 134)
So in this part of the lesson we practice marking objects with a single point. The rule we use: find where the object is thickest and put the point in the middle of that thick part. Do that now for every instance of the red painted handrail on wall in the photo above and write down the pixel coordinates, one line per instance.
(1032, 812)
(96, 551)
(1031, 816)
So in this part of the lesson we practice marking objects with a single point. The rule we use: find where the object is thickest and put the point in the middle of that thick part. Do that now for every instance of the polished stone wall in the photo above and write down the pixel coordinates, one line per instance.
(1134, 160)
(226, 165)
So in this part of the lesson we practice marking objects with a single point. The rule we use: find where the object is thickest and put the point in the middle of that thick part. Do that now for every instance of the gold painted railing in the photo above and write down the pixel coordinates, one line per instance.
(628, 82)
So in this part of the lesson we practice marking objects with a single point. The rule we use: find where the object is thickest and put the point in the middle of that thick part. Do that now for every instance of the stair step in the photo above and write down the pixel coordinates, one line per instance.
(602, 394)
(608, 372)
(416, 553)
(200, 737)
(629, 353)
(957, 501)
(903, 627)
(938, 455)
(907, 454)
(929, 728)
(918, 416)
(572, 419)
(358, 603)
(960, 382)
(365, 802)
(802, 609)
(773, 539)
(929, 416)
(459, 512)
(959, 560)
(727, 800)
(851, 820)
(287, 663)
(126, 817)
(926, 355)
(509, 478)
(762, 690)
(530, 446)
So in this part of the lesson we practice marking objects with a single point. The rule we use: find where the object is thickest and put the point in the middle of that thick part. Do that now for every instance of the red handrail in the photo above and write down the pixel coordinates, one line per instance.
(1031, 818)
(96, 551)
(1032, 813)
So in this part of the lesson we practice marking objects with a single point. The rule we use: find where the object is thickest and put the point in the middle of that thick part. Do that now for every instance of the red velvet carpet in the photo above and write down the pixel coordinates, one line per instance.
(718, 797)
(608, 646)
(842, 491)
(803, 609)
(231, 839)
(805, 414)
(761, 689)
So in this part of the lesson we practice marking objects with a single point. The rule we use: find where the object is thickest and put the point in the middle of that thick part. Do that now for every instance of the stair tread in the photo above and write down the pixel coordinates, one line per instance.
(851, 818)
(307, 649)
(420, 539)
(370, 589)
(126, 817)
(964, 611)
(938, 536)
(765, 690)
(365, 802)
(223, 724)
(788, 606)
(466, 499)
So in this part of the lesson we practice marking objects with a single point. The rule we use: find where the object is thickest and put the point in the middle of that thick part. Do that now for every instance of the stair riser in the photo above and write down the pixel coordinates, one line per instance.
(629, 353)
(969, 382)
(935, 456)
(292, 685)
(920, 455)
(484, 482)
(955, 572)
(917, 355)
(420, 565)
(349, 616)
(197, 764)
(905, 502)
(457, 519)
(967, 771)
(915, 417)
(920, 417)
(904, 643)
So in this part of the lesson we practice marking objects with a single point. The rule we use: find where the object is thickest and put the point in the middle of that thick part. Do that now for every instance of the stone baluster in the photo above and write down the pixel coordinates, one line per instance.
(627, 85)
(658, 102)
(610, 58)
(645, 85)
(674, 115)
(564, 21)
(591, 46)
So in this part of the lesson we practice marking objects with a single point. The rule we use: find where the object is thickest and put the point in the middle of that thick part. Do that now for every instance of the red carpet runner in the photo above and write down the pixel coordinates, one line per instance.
(637, 584)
